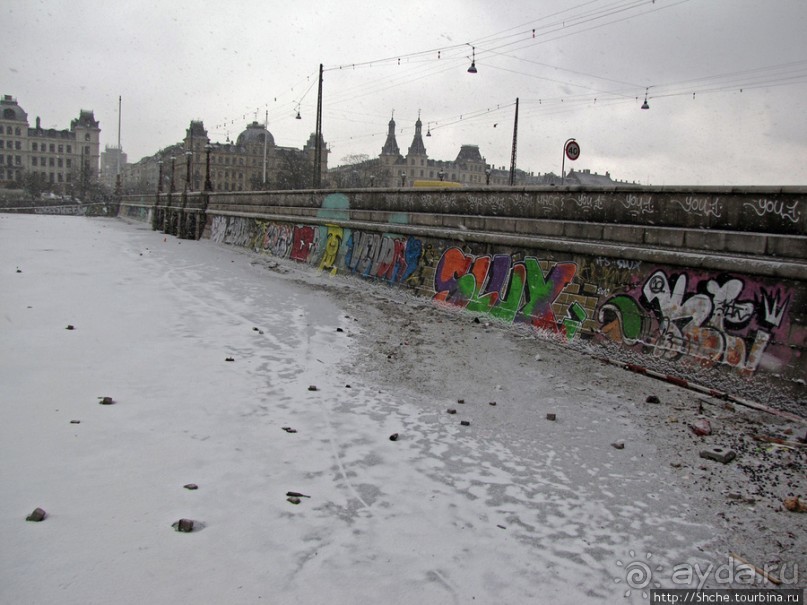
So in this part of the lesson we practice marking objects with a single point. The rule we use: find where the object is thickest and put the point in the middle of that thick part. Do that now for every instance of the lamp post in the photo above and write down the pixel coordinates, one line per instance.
(160, 177)
(441, 174)
(188, 155)
(208, 184)
(403, 179)
(173, 166)
(487, 175)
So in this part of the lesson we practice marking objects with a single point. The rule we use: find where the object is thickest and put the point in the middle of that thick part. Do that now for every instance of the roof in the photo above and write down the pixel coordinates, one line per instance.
(469, 153)
(255, 133)
(12, 111)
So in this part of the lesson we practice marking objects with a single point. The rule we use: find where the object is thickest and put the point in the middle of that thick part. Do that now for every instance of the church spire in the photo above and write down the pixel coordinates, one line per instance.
(391, 145)
(417, 147)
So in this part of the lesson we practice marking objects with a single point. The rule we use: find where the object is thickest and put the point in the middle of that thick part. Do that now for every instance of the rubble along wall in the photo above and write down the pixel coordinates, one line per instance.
(707, 283)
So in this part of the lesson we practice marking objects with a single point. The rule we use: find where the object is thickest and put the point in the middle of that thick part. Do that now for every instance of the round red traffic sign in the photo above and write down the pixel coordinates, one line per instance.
(572, 150)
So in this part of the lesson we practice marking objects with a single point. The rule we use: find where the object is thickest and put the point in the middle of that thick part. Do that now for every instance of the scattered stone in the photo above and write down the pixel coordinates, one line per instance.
(476, 320)
(491, 403)
(293, 499)
(652, 399)
(75, 422)
(393, 437)
(620, 445)
(347, 386)
(255, 330)
(672, 419)
(296, 495)
(229, 359)
(288, 429)
(701, 427)
(501, 526)
(451, 411)
(106, 400)
(37, 516)
(191, 486)
(19, 270)
(183, 525)
(70, 327)
(313, 387)
(718, 454)
(460, 401)
(537, 357)
(339, 330)
(793, 504)
(465, 422)
(551, 416)
(675, 464)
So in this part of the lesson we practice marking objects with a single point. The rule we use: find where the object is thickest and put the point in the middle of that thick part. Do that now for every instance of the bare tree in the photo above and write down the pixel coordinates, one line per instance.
(295, 170)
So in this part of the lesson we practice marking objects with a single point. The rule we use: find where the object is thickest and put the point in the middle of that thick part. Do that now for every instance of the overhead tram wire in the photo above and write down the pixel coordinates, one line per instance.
(446, 52)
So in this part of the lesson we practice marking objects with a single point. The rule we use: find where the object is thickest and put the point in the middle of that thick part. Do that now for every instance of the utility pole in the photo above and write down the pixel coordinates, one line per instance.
(117, 173)
(318, 143)
(515, 145)
(265, 143)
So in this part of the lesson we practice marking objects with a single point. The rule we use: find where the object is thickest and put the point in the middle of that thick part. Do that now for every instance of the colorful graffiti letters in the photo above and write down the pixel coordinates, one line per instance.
(708, 319)
(386, 257)
(511, 291)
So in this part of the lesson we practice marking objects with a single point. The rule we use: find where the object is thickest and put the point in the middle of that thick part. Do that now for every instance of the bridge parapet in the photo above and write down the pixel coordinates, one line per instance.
(693, 279)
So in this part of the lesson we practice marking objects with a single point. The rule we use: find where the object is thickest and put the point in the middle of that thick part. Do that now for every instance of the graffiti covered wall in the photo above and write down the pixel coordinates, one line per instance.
(704, 318)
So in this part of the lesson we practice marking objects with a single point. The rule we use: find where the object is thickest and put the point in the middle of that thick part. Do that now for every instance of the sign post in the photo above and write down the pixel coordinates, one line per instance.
(571, 150)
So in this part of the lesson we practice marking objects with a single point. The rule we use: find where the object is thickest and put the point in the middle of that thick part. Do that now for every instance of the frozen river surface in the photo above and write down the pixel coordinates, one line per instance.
(513, 508)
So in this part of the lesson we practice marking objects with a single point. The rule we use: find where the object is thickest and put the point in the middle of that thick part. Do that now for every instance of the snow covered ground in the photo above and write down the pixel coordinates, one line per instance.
(512, 508)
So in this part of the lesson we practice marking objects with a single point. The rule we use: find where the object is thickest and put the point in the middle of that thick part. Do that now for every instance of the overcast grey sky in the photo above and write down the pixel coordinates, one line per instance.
(580, 68)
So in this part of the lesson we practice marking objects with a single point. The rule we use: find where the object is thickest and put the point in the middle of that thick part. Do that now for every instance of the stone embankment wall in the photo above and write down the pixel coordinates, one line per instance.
(692, 279)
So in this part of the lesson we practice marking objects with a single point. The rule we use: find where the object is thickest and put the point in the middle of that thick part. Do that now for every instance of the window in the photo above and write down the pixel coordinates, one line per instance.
(17, 131)
(33, 161)
(69, 177)
(69, 163)
(59, 162)
(17, 145)
(33, 147)
(61, 148)
(61, 177)
(52, 161)
(87, 137)
(69, 149)
(8, 130)
(18, 160)
(52, 148)
(86, 150)
(52, 178)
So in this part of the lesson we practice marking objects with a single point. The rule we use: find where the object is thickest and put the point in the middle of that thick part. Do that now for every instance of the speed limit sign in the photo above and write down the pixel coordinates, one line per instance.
(572, 150)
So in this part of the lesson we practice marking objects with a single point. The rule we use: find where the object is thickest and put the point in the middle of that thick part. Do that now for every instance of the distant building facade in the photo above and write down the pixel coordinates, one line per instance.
(469, 169)
(64, 160)
(113, 162)
(252, 162)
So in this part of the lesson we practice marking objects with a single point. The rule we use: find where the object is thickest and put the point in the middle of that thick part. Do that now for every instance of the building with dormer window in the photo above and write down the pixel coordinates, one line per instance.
(64, 160)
